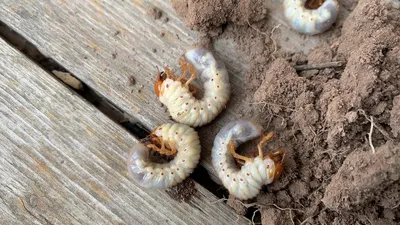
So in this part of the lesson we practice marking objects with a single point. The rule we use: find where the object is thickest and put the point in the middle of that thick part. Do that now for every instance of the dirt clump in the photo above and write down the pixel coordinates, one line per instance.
(363, 178)
(184, 191)
(205, 16)
(395, 116)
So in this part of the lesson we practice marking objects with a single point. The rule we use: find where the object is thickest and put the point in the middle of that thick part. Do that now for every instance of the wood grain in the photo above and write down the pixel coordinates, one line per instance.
(63, 162)
(103, 42)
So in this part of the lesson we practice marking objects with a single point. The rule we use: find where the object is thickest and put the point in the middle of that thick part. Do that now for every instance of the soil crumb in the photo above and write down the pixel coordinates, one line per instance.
(364, 179)
(184, 191)
(237, 205)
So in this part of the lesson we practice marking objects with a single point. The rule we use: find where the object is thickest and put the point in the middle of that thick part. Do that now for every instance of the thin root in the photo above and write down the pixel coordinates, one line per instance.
(259, 206)
(371, 120)
(269, 36)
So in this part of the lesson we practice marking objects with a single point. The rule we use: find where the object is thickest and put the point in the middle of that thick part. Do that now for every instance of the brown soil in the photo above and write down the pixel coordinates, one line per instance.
(322, 117)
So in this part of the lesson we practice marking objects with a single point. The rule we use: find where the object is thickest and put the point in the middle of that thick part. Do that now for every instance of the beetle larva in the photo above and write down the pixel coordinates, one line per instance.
(246, 182)
(176, 94)
(168, 139)
(318, 18)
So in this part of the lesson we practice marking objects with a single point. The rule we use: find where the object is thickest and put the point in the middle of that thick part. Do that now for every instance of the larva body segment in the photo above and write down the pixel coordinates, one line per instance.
(182, 105)
(244, 183)
(311, 21)
(154, 175)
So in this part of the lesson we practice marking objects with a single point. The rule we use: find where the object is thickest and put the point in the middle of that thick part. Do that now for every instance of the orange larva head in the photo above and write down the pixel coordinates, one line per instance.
(277, 169)
(161, 76)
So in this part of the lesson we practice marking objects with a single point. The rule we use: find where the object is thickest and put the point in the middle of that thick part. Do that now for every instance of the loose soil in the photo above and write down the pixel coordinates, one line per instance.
(329, 120)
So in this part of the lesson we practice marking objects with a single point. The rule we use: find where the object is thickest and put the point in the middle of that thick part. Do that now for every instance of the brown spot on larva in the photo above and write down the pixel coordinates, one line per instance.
(223, 169)
(185, 150)
(215, 97)
(151, 173)
(220, 154)
(160, 128)
(201, 108)
(172, 172)
(181, 139)
(181, 96)
(267, 166)
(234, 179)
(227, 175)
(209, 104)
(194, 108)
(176, 133)
(167, 85)
(217, 74)
(212, 79)
(183, 160)
(187, 103)
(247, 174)
(177, 168)
(217, 86)
(241, 179)
(223, 143)
(162, 174)
(220, 163)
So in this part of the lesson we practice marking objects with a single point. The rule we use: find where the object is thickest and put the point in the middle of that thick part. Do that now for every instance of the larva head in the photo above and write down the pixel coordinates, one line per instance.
(276, 170)
(161, 76)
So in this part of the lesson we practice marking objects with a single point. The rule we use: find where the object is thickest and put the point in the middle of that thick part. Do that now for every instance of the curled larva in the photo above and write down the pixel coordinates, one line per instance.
(168, 139)
(246, 182)
(314, 19)
(177, 94)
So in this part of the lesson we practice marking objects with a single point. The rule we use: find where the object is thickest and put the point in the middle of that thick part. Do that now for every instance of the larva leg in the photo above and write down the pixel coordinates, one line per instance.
(172, 148)
(193, 76)
(231, 147)
(162, 150)
(263, 140)
(277, 156)
(169, 73)
(184, 69)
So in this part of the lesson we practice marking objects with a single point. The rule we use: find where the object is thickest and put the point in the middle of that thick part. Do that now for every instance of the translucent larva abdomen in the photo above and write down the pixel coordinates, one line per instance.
(179, 137)
(246, 182)
(176, 95)
(311, 21)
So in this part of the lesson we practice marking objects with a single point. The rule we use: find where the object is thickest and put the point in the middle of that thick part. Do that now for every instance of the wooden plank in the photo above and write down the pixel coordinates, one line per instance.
(63, 162)
(102, 42)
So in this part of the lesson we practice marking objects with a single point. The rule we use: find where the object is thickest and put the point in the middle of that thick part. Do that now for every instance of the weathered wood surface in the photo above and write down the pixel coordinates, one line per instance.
(103, 42)
(63, 162)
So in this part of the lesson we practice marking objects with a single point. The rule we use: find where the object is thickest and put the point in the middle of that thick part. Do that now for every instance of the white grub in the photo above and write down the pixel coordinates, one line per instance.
(244, 183)
(176, 95)
(182, 140)
(311, 21)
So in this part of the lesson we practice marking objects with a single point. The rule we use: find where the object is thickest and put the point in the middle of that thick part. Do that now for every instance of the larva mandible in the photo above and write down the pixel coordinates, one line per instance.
(176, 95)
(244, 183)
(167, 139)
(311, 21)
